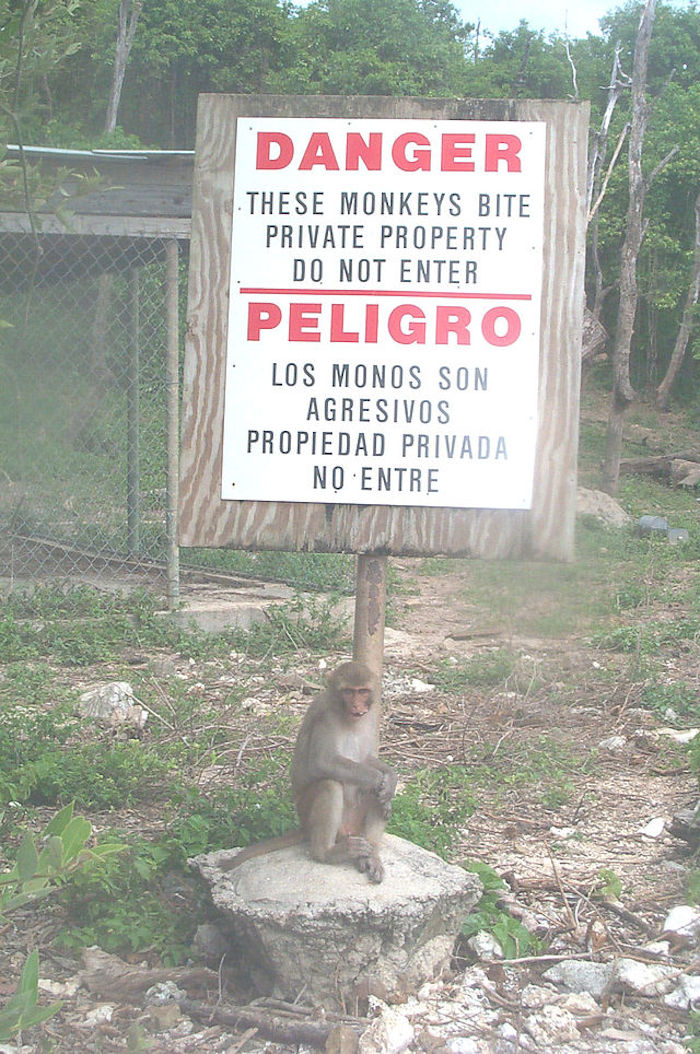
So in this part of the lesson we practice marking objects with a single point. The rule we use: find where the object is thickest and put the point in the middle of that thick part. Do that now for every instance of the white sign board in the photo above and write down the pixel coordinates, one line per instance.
(384, 326)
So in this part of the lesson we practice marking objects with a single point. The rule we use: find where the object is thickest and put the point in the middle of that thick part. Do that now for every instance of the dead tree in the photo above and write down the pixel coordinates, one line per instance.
(623, 393)
(129, 11)
(663, 392)
(596, 183)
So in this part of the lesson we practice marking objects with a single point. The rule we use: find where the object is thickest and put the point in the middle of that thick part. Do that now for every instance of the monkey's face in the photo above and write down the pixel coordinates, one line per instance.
(356, 701)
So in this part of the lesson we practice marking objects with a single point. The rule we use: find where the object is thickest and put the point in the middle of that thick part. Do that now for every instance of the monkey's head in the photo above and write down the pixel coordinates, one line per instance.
(354, 689)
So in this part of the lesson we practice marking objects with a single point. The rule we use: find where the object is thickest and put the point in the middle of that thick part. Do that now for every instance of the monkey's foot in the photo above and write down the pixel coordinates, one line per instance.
(372, 867)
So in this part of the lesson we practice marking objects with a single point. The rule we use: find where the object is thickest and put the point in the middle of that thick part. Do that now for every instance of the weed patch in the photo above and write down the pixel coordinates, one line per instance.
(488, 916)
(431, 807)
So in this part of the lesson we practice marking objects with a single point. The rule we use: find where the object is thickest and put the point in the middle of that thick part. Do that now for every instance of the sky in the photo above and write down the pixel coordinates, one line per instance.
(577, 17)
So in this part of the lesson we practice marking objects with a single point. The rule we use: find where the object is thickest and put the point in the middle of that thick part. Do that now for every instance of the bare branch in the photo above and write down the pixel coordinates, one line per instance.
(611, 166)
(661, 166)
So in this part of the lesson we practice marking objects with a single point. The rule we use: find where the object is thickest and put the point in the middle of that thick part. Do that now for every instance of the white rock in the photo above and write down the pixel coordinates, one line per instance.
(580, 1004)
(686, 995)
(99, 1015)
(390, 1033)
(579, 975)
(552, 1025)
(613, 744)
(684, 920)
(535, 996)
(463, 1045)
(59, 989)
(421, 686)
(646, 979)
(113, 704)
(683, 735)
(164, 992)
(485, 947)
(601, 505)
(655, 828)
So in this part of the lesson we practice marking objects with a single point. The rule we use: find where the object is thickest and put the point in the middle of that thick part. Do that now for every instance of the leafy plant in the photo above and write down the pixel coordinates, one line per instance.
(609, 884)
(432, 806)
(123, 905)
(97, 775)
(679, 698)
(42, 866)
(514, 939)
(21, 1011)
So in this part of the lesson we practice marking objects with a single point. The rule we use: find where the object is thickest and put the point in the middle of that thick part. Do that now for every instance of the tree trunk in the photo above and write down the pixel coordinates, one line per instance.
(129, 11)
(663, 392)
(594, 181)
(623, 393)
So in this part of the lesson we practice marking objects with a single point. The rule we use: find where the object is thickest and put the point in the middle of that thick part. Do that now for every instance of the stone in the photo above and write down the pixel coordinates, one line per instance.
(485, 947)
(684, 920)
(390, 1033)
(687, 995)
(685, 473)
(325, 930)
(645, 979)
(551, 1026)
(601, 505)
(113, 704)
(647, 525)
(580, 975)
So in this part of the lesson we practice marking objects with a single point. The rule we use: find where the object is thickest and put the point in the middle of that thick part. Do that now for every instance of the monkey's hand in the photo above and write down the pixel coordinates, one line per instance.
(386, 788)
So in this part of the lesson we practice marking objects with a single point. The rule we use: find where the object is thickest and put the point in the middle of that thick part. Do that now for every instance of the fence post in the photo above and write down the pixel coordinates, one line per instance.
(173, 422)
(370, 612)
(133, 467)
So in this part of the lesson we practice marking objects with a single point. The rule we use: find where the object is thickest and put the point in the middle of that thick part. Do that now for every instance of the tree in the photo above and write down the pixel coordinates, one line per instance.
(522, 63)
(663, 392)
(129, 11)
(623, 393)
(375, 47)
(185, 47)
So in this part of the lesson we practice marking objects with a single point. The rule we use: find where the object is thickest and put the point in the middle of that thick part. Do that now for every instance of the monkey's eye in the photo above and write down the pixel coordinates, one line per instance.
(356, 691)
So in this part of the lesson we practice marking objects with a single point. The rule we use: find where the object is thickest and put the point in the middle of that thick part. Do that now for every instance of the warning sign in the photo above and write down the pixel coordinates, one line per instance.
(384, 327)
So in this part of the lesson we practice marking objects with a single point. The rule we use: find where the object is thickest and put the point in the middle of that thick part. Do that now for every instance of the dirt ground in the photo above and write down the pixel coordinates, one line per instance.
(550, 850)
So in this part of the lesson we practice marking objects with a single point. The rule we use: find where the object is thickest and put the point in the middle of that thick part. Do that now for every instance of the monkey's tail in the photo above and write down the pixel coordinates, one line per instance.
(269, 845)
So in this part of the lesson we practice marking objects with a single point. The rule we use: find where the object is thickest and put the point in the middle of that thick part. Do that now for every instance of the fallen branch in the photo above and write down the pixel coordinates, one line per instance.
(281, 1030)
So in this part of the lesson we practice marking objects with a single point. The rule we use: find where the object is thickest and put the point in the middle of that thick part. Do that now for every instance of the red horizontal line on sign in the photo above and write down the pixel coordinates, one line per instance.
(386, 292)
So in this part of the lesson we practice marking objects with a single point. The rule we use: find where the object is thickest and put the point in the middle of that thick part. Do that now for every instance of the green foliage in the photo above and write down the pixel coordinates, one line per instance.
(694, 752)
(306, 622)
(693, 885)
(679, 698)
(44, 864)
(124, 905)
(648, 638)
(321, 572)
(374, 47)
(514, 938)
(95, 775)
(21, 1011)
(432, 806)
(692, 1040)
(41, 867)
(485, 670)
(609, 884)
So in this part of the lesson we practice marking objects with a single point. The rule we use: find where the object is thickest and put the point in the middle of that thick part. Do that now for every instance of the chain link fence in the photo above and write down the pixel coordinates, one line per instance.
(84, 410)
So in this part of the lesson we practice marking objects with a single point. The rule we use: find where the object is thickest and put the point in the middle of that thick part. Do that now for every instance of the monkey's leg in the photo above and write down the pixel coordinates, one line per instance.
(322, 823)
(375, 822)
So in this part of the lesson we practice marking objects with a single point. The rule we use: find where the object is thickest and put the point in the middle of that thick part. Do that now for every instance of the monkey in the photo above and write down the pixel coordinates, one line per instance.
(342, 791)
